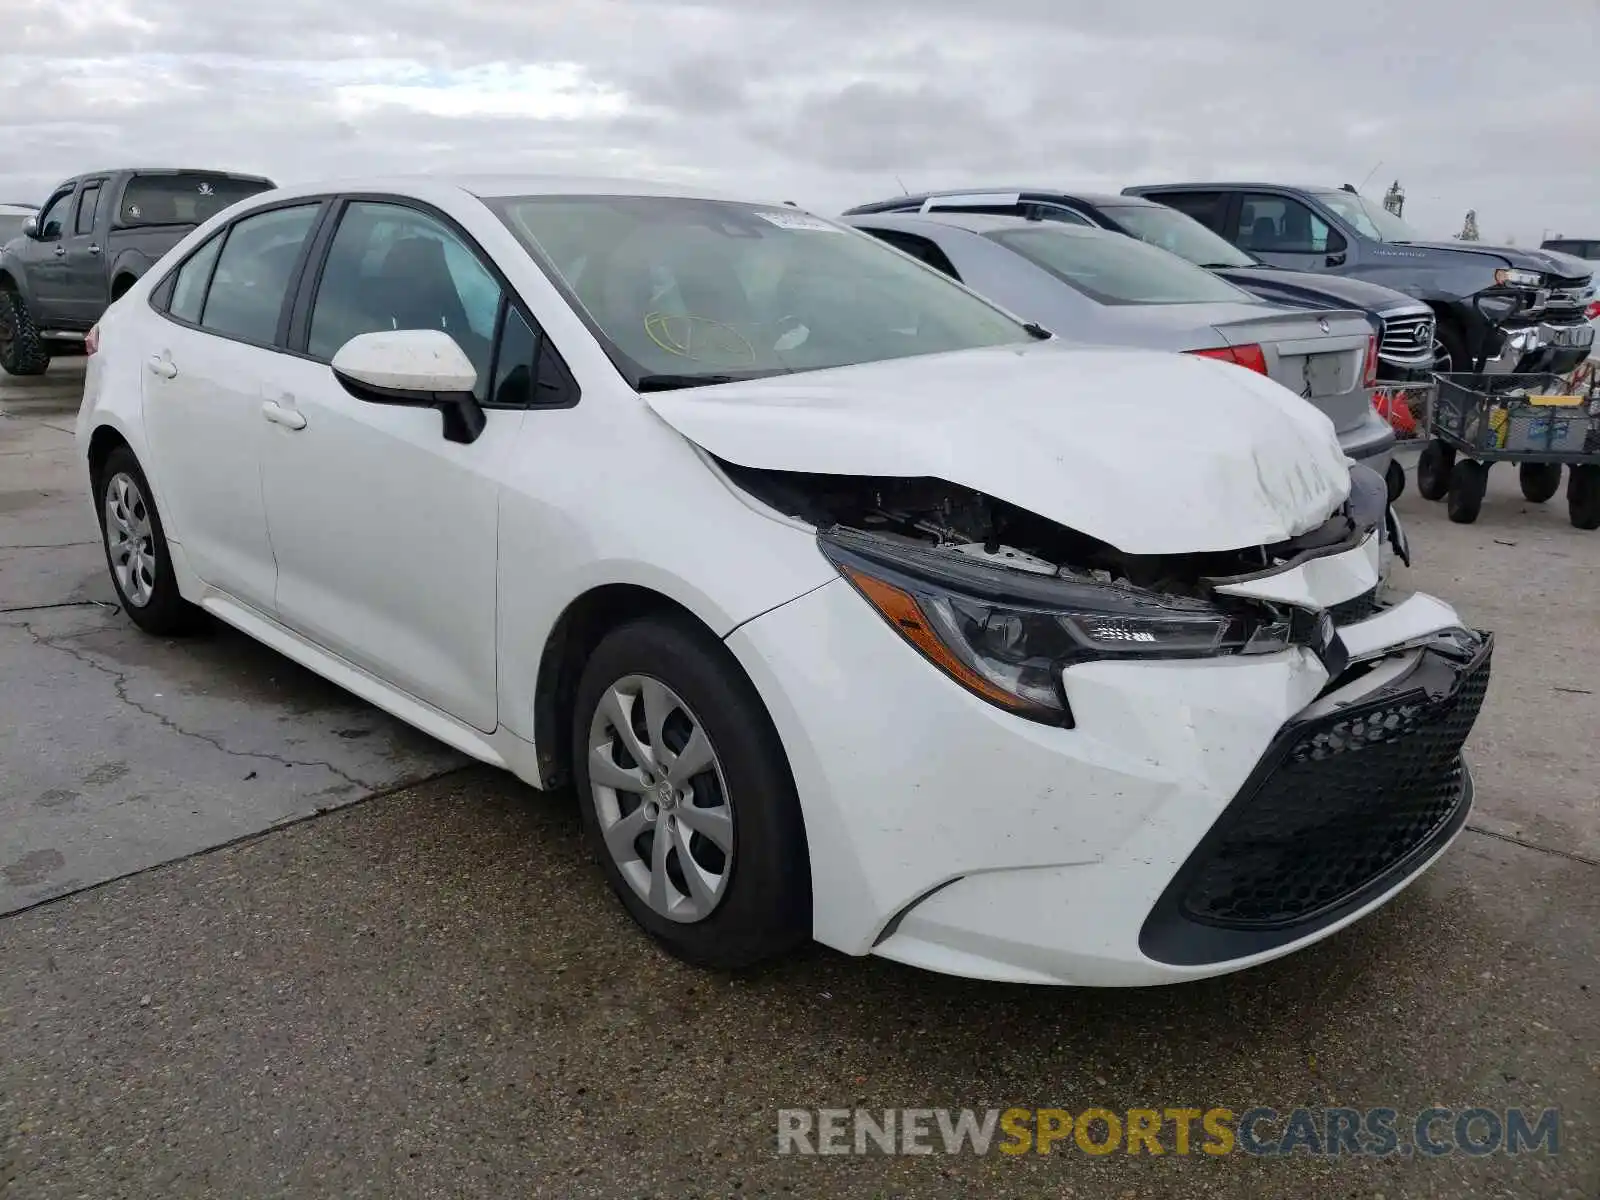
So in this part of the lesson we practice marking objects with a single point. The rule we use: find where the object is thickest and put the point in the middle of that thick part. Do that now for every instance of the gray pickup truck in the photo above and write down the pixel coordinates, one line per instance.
(1520, 310)
(94, 236)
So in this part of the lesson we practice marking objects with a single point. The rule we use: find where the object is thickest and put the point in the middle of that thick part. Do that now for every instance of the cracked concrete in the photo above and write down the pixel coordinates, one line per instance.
(119, 751)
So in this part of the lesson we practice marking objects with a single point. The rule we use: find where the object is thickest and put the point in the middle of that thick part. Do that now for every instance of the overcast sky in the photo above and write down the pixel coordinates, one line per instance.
(1492, 106)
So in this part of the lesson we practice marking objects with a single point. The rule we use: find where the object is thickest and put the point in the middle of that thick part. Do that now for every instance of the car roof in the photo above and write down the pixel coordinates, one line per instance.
(975, 223)
(490, 186)
(1234, 186)
(1096, 198)
(18, 210)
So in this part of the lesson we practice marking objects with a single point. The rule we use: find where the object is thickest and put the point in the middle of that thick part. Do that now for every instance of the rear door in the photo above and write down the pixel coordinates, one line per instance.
(226, 316)
(84, 264)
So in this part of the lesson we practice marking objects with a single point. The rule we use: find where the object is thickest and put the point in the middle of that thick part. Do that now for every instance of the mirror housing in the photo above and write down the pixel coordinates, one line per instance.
(414, 368)
(30, 228)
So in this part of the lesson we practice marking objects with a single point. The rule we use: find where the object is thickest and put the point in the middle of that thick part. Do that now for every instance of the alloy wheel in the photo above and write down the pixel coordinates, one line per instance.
(661, 799)
(130, 540)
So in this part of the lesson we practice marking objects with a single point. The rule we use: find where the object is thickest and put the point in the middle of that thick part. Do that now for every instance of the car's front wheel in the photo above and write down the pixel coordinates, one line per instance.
(687, 796)
(136, 548)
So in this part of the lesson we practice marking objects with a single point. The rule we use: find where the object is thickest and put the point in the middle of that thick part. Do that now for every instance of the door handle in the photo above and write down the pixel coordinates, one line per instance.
(279, 415)
(59, 250)
(93, 248)
(1335, 260)
(163, 366)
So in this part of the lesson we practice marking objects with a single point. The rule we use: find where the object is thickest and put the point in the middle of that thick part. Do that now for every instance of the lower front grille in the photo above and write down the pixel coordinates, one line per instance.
(1357, 608)
(1342, 807)
(1352, 795)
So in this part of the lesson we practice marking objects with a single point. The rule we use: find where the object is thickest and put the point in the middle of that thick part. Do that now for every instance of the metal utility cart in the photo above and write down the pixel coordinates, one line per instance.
(1539, 421)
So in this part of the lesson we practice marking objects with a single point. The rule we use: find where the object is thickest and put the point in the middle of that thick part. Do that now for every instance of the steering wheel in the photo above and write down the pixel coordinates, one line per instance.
(693, 337)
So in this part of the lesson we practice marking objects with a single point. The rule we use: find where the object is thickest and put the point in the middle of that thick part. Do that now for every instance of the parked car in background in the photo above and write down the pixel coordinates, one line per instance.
(1521, 309)
(1403, 324)
(96, 235)
(1098, 287)
(852, 606)
(12, 218)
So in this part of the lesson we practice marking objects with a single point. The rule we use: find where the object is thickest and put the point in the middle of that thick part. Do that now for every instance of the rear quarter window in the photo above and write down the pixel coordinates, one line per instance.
(186, 198)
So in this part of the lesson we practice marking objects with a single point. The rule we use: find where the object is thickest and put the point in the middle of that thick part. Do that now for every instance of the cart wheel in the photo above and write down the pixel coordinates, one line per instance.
(1468, 481)
(1583, 496)
(1395, 477)
(1433, 469)
(1540, 481)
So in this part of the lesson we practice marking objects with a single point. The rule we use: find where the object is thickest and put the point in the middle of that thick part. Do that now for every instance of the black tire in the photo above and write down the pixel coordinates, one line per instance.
(164, 612)
(1583, 496)
(765, 907)
(1468, 482)
(22, 351)
(1395, 477)
(1539, 481)
(1453, 343)
(1433, 470)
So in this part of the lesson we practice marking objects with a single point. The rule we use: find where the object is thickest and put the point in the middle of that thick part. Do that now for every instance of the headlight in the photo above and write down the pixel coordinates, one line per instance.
(1515, 277)
(1007, 636)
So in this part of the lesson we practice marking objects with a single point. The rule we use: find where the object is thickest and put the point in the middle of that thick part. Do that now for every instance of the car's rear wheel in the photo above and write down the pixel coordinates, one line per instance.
(136, 548)
(22, 351)
(687, 797)
(1539, 481)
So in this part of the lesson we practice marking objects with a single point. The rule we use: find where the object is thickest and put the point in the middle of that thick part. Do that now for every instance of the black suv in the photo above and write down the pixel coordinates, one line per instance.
(1404, 325)
(1520, 310)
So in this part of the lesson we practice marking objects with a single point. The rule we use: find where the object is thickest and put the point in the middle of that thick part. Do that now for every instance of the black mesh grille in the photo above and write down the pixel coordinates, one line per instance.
(1351, 795)
(1357, 608)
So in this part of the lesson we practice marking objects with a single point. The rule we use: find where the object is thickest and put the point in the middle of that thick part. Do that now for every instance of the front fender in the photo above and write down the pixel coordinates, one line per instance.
(13, 277)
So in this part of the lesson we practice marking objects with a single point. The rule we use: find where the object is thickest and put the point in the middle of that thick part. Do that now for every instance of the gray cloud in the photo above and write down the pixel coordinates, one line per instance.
(1468, 103)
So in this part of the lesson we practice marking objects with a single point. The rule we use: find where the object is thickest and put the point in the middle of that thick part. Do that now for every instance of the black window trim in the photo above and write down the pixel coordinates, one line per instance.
(67, 191)
(889, 235)
(296, 331)
(97, 184)
(161, 295)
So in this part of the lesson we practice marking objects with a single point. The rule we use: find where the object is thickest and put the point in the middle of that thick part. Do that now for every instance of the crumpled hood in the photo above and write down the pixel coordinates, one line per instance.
(1514, 256)
(1153, 453)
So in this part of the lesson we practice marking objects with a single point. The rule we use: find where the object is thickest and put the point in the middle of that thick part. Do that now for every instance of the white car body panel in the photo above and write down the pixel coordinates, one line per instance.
(1263, 467)
(428, 577)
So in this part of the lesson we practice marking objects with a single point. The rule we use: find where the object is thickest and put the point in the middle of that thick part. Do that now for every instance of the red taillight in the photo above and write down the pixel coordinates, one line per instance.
(1369, 372)
(91, 340)
(1593, 311)
(1251, 357)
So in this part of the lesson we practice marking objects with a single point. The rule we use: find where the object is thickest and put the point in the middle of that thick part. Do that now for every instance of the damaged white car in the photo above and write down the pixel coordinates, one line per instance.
(853, 607)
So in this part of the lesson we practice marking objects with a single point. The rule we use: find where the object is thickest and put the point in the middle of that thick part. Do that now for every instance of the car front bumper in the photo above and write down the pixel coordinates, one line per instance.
(948, 834)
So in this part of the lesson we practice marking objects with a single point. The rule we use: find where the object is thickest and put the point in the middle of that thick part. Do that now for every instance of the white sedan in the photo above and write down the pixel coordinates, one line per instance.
(852, 607)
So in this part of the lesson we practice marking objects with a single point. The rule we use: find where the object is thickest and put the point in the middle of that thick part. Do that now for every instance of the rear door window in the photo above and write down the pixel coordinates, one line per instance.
(181, 198)
(253, 273)
(918, 247)
(88, 208)
(1208, 208)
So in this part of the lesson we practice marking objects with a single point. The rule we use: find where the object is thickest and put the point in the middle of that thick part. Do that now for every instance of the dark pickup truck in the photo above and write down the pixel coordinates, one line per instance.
(94, 236)
(1521, 310)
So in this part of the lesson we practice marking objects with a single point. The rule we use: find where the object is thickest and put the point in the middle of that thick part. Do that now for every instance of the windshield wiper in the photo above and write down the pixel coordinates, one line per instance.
(1037, 330)
(1229, 266)
(669, 382)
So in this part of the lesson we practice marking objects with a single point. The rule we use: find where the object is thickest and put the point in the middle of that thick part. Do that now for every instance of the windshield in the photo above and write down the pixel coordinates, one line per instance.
(1179, 233)
(1114, 269)
(1369, 219)
(690, 289)
(189, 198)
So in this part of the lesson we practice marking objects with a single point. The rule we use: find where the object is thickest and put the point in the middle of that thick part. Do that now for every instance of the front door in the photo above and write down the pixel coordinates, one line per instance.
(45, 257)
(1285, 232)
(386, 534)
(202, 407)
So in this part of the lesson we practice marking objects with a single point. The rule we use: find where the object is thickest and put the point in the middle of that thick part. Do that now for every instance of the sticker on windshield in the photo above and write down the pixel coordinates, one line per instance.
(797, 220)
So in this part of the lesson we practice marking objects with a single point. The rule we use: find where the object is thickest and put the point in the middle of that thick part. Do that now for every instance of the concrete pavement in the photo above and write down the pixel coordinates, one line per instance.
(433, 994)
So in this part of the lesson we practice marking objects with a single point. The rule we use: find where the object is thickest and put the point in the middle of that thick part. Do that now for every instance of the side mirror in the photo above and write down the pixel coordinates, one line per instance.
(416, 368)
(30, 228)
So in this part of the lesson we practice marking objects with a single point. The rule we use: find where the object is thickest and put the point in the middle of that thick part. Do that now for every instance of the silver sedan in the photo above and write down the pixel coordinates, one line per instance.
(1094, 286)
